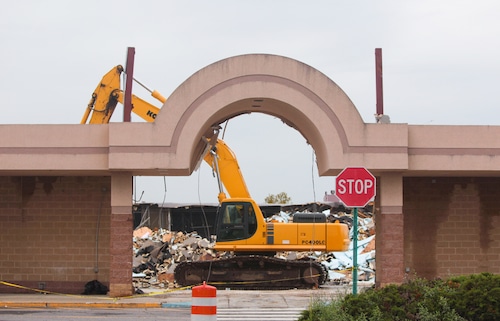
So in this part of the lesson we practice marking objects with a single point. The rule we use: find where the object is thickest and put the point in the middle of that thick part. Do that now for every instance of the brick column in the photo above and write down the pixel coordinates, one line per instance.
(389, 230)
(120, 278)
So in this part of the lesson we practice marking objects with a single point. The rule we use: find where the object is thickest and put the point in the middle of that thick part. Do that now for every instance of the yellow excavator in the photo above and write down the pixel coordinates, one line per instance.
(241, 227)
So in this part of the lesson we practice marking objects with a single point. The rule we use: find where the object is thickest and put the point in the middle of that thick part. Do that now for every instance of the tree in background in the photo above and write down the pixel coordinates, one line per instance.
(281, 198)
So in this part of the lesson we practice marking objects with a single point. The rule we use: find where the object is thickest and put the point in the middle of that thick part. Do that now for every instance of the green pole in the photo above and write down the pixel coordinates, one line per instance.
(355, 253)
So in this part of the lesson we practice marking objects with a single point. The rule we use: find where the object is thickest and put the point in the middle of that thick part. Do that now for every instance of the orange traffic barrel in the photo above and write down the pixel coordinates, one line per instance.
(204, 303)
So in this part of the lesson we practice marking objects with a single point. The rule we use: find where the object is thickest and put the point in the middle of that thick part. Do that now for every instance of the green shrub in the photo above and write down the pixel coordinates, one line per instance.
(328, 311)
(476, 297)
(472, 297)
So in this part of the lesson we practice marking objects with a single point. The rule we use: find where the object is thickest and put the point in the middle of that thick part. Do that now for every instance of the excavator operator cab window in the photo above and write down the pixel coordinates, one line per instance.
(237, 221)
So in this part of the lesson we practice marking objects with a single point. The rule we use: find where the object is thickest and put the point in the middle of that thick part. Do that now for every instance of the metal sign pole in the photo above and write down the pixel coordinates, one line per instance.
(355, 252)
(355, 187)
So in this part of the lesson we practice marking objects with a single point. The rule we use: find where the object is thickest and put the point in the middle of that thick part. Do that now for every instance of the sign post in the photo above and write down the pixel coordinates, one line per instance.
(355, 187)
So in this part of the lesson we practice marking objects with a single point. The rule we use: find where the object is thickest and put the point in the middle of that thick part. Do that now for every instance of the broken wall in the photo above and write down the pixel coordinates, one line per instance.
(201, 218)
(452, 225)
(54, 232)
(151, 215)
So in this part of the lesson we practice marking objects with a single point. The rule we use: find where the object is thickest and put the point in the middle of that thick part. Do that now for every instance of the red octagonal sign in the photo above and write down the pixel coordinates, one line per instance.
(355, 186)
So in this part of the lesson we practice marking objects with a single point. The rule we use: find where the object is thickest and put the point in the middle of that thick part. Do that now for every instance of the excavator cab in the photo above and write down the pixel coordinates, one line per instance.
(236, 221)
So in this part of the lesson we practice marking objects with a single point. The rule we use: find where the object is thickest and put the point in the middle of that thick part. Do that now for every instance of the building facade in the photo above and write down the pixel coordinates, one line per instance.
(66, 206)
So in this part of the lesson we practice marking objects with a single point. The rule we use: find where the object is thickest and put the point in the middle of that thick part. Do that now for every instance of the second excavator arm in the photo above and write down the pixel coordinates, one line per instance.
(108, 93)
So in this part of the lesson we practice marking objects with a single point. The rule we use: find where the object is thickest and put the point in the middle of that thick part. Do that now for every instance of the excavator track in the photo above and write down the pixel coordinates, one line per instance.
(252, 272)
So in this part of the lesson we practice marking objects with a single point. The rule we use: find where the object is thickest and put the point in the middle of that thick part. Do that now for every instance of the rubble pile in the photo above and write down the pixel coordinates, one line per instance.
(340, 264)
(157, 252)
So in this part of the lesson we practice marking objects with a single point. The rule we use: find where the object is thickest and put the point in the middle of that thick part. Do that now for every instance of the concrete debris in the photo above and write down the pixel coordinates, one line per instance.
(157, 252)
(282, 217)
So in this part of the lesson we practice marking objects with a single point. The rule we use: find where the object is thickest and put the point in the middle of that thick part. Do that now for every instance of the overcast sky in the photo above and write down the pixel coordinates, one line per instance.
(440, 66)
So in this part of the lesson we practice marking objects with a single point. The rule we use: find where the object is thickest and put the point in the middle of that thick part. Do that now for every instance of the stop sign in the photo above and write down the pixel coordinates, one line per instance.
(355, 186)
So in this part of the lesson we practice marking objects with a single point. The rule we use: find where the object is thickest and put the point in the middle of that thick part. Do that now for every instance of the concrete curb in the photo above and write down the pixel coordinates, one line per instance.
(176, 305)
(60, 305)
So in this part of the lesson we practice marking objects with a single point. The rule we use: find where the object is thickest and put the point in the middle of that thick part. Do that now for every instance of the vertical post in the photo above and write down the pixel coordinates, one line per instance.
(378, 81)
(121, 228)
(355, 252)
(390, 231)
(129, 74)
(204, 303)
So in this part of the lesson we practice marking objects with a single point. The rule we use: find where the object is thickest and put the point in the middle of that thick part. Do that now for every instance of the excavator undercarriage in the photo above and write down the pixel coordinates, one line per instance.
(252, 272)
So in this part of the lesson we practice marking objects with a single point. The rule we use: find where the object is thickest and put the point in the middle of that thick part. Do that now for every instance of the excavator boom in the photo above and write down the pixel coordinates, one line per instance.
(108, 93)
(223, 160)
(104, 98)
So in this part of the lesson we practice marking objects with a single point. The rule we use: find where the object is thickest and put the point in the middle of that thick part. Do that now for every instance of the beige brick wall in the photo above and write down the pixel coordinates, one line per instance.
(389, 248)
(452, 226)
(51, 231)
(48, 230)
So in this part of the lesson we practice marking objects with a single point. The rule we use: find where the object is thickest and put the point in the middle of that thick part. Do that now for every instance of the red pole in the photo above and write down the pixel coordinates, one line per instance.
(378, 81)
(129, 74)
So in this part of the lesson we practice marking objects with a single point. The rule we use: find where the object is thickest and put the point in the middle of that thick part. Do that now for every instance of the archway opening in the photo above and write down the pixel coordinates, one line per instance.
(273, 157)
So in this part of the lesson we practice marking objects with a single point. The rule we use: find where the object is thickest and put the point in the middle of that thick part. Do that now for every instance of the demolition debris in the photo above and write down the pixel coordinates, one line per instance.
(156, 252)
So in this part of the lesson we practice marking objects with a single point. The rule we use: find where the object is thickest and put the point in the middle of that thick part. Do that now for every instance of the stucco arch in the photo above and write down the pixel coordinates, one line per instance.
(301, 96)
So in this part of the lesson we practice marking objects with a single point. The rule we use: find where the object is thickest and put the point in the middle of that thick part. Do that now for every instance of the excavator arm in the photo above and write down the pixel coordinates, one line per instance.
(223, 161)
(108, 93)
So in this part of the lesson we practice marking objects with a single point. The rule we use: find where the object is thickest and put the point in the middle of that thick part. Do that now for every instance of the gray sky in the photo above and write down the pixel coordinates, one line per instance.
(440, 62)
